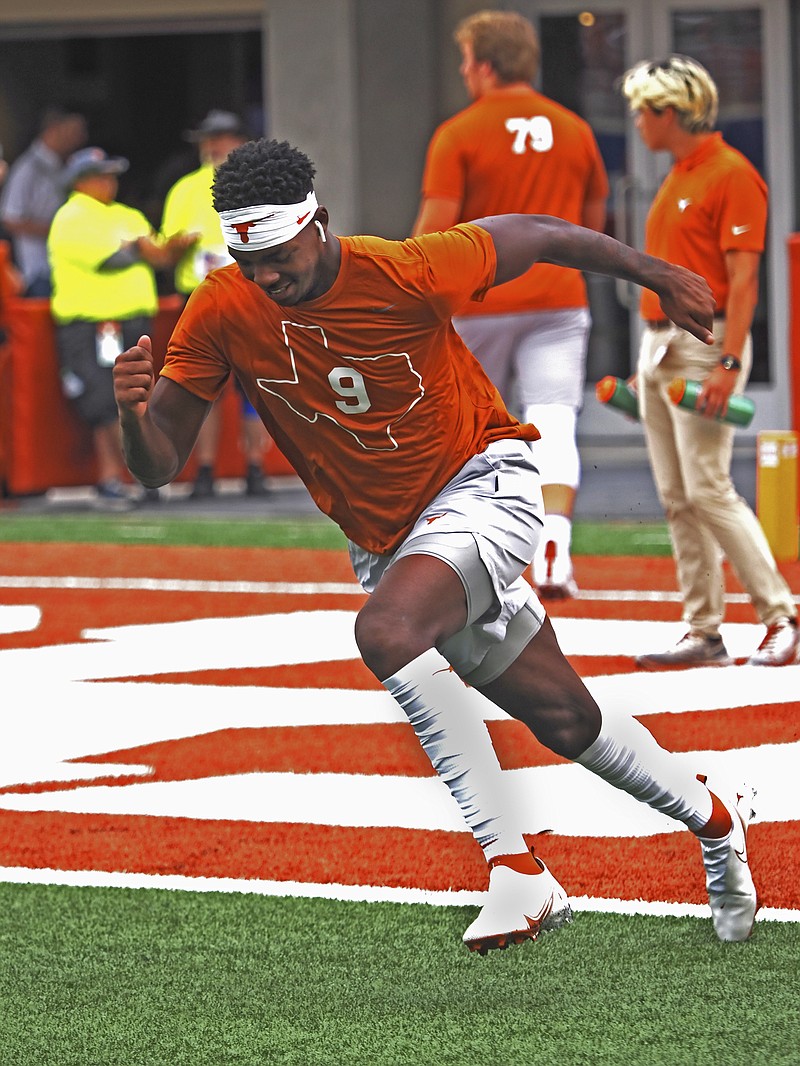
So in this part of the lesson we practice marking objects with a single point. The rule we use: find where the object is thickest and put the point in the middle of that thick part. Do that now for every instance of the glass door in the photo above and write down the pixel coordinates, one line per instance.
(585, 50)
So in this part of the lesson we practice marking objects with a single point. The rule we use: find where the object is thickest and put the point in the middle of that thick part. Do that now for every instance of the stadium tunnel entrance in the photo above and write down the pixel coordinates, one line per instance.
(139, 91)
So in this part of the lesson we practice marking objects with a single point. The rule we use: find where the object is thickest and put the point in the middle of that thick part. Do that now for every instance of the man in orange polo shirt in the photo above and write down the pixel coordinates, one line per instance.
(710, 216)
(513, 150)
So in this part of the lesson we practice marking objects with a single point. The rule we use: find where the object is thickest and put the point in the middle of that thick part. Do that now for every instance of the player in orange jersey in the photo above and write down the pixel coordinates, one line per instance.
(709, 215)
(346, 349)
(514, 150)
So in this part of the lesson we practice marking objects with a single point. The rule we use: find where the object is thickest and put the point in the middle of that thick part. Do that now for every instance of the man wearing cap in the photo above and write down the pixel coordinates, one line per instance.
(102, 254)
(188, 209)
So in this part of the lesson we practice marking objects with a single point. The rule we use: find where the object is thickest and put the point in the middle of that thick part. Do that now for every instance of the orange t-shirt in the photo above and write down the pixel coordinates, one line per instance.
(368, 390)
(514, 151)
(712, 202)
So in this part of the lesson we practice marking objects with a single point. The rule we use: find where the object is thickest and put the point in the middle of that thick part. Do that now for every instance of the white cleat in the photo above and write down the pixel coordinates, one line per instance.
(519, 907)
(731, 892)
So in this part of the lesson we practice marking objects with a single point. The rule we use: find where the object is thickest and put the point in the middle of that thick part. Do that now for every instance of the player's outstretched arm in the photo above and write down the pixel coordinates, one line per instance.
(159, 419)
(522, 240)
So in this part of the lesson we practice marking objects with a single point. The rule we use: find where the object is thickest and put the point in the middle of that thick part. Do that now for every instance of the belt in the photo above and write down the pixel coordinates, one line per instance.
(665, 323)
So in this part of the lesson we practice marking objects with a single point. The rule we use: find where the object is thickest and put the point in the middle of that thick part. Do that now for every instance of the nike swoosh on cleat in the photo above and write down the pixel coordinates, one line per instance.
(742, 855)
(535, 923)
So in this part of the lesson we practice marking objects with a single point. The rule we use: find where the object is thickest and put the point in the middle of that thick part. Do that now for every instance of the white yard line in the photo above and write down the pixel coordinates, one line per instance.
(157, 584)
(296, 588)
(350, 893)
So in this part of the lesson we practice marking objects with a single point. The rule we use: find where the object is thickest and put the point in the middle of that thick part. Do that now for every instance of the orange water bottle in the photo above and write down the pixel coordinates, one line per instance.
(685, 393)
(617, 393)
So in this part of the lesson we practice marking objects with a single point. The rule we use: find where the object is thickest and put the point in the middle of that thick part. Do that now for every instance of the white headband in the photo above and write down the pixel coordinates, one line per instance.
(251, 229)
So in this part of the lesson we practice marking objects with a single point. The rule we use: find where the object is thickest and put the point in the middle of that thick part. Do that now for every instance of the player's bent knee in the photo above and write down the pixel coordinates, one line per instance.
(570, 732)
(385, 643)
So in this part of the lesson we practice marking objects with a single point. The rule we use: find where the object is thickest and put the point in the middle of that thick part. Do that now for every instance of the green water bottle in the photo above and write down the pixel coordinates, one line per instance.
(685, 394)
(617, 393)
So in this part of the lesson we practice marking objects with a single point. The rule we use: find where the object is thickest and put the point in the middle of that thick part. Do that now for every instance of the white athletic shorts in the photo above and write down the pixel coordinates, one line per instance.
(485, 523)
(535, 357)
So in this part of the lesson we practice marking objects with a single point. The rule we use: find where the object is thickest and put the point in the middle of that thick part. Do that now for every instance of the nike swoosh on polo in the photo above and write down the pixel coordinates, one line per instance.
(738, 230)
(380, 310)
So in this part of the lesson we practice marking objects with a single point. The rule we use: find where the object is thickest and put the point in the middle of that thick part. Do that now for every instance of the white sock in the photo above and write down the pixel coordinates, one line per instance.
(558, 530)
(628, 756)
(446, 717)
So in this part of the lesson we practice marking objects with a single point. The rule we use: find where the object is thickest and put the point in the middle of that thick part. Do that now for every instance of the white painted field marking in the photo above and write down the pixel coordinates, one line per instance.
(19, 618)
(644, 596)
(351, 893)
(566, 799)
(297, 588)
(68, 716)
(64, 714)
(157, 584)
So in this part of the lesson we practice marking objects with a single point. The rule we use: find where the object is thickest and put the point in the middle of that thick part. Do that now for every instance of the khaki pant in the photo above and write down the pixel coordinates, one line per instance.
(690, 457)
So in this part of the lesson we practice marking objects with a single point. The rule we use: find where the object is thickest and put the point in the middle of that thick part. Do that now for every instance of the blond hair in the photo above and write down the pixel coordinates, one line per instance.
(504, 39)
(678, 82)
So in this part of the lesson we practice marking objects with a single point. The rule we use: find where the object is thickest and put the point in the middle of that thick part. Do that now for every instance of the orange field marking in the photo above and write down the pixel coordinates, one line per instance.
(663, 867)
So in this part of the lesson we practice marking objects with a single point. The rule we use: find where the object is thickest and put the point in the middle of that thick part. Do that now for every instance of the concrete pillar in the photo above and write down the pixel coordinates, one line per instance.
(354, 84)
(310, 95)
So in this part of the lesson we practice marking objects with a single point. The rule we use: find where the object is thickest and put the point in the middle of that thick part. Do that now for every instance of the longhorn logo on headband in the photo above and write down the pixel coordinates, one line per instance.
(242, 227)
(273, 224)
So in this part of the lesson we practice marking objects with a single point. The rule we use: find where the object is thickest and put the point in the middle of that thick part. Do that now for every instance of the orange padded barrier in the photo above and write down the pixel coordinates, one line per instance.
(43, 444)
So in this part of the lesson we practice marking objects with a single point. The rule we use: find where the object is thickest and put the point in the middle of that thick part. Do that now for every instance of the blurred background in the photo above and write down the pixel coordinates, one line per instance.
(361, 84)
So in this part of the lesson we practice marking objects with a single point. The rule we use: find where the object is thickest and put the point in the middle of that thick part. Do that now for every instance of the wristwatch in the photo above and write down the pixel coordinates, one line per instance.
(730, 362)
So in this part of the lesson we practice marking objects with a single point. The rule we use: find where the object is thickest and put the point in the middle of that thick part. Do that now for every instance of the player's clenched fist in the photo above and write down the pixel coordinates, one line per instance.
(134, 375)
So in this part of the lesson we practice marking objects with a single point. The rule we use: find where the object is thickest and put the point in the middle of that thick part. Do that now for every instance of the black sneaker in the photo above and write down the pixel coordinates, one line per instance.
(112, 496)
(254, 481)
(203, 484)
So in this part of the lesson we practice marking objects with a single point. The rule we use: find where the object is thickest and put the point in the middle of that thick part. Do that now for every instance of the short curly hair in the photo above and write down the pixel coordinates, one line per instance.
(678, 82)
(262, 172)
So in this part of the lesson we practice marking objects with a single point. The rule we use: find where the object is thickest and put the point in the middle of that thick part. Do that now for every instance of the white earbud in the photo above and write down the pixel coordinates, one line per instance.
(321, 231)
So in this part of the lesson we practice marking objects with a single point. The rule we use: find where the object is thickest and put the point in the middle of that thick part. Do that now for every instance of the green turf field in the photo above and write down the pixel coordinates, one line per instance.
(124, 977)
(589, 538)
(225, 531)
(143, 978)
